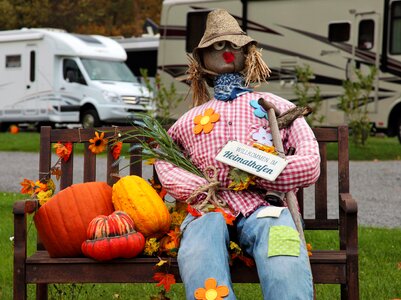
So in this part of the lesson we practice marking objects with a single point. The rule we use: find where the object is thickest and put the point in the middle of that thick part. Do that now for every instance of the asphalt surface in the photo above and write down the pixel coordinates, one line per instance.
(375, 185)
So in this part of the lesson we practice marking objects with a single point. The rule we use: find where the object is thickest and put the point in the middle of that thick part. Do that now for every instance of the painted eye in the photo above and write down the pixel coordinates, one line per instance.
(234, 46)
(219, 45)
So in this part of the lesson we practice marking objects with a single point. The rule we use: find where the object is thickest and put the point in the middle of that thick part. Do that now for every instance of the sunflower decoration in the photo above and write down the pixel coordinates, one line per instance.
(98, 143)
(205, 122)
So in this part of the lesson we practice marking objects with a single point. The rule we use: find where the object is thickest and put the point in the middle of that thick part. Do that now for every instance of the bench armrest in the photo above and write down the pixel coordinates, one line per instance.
(348, 204)
(28, 206)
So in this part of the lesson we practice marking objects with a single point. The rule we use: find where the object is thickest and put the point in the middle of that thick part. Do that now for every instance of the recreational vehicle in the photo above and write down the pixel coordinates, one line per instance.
(331, 37)
(54, 77)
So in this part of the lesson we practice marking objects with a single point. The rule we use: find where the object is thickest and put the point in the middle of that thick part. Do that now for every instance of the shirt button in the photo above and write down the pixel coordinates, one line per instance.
(230, 123)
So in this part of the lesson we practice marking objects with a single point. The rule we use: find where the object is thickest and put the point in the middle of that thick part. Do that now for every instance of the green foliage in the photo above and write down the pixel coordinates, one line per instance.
(308, 94)
(166, 98)
(354, 104)
(119, 17)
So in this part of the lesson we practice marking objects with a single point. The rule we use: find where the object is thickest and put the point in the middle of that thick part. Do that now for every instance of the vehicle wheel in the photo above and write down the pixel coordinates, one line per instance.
(90, 119)
(399, 129)
(4, 126)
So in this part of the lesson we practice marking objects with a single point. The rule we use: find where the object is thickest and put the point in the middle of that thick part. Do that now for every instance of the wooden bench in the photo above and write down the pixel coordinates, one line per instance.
(328, 266)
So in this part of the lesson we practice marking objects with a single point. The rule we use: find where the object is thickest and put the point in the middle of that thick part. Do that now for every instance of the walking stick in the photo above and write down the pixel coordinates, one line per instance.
(278, 144)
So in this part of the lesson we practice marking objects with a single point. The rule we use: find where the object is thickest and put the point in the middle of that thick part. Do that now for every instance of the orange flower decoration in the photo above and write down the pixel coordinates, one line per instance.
(205, 122)
(63, 150)
(98, 143)
(116, 150)
(211, 291)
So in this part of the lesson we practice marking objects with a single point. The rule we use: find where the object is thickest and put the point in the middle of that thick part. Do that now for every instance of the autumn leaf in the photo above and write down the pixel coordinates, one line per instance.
(193, 211)
(27, 186)
(63, 150)
(228, 217)
(165, 280)
(56, 172)
(116, 150)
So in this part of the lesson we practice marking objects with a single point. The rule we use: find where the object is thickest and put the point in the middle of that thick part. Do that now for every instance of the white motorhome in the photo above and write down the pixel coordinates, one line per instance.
(50, 76)
(330, 36)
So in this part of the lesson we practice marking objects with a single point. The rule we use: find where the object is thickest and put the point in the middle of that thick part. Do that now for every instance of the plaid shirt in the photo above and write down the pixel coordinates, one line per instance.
(238, 122)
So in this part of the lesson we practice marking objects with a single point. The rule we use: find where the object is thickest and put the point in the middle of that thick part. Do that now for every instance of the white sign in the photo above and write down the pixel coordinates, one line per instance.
(252, 160)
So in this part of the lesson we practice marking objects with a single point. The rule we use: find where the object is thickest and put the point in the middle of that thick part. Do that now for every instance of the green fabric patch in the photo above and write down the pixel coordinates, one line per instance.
(283, 240)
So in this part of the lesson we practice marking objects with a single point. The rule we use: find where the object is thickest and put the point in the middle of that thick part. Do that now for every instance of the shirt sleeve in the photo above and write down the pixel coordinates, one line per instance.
(179, 183)
(303, 167)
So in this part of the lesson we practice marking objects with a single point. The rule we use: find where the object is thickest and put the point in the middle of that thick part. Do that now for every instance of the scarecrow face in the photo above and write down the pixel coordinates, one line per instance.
(224, 57)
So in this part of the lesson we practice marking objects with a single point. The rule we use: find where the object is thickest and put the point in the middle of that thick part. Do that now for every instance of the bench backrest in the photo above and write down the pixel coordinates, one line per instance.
(337, 135)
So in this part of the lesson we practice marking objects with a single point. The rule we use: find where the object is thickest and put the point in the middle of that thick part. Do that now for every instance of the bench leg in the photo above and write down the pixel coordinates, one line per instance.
(41, 291)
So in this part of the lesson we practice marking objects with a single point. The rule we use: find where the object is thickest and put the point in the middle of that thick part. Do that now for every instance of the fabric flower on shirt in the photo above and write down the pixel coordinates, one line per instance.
(259, 110)
(205, 122)
(211, 291)
(263, 137)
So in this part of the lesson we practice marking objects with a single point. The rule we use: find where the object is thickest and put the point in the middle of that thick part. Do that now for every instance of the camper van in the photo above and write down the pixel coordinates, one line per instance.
(49, 76)
(331, 37)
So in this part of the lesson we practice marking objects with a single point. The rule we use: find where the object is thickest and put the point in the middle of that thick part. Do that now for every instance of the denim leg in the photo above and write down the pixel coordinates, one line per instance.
(281, 277)
(203, 253)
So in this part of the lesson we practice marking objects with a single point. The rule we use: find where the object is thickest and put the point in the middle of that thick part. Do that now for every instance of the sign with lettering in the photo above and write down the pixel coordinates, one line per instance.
(252, 160)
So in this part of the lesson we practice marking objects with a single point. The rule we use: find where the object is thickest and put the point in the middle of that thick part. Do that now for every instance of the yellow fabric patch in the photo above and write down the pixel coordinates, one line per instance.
(283, 240)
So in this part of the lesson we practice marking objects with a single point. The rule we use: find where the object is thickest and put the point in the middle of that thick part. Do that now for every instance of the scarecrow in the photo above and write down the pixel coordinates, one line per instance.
(228, 60)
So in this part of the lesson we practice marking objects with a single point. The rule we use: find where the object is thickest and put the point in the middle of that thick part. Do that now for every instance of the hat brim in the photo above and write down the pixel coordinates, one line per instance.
(239, 40)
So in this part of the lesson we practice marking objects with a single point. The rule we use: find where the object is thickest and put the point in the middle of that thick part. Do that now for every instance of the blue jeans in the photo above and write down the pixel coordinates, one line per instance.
(203, 254)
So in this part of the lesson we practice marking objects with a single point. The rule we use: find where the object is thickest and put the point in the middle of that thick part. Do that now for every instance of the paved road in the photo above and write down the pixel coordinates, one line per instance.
(375, 185)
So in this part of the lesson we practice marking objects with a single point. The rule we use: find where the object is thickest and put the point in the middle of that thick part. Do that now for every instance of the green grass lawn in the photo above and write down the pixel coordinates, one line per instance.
(380, 148)
(379, 264)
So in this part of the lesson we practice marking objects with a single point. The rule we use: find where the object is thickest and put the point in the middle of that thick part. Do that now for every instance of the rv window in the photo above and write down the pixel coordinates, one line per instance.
(395, 28)
(339, 32)
(196, 24)
(71, 72)
(13, 61)
(366, 34)
(32, 67)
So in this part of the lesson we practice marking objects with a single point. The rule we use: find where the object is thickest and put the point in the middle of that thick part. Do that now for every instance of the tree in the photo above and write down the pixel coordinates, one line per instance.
(354, 104)
(308, 94)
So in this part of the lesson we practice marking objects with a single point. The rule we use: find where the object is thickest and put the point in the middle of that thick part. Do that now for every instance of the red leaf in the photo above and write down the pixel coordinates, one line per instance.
(117, 150)
(193, 211)
(165, 280)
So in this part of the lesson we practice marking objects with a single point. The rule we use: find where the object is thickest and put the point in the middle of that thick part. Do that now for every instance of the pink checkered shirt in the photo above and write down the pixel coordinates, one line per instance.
(238, 122)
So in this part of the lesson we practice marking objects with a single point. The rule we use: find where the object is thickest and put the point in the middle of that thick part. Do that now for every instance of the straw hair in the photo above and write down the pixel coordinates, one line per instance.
(198, 82)
(256, 70)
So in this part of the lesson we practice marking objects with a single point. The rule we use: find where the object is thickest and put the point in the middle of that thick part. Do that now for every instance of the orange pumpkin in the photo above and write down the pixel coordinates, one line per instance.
(62, 221)
(14, 129)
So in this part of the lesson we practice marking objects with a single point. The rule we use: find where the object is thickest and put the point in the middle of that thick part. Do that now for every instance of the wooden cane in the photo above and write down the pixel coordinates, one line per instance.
(272, 111)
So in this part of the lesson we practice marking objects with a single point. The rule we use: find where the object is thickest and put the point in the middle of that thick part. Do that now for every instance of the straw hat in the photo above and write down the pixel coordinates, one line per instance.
(221, 26)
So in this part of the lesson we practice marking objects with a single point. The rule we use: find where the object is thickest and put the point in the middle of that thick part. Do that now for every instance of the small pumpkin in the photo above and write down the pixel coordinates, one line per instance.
(135, 196)
(112, 236)
(62, 221)
(14, 129)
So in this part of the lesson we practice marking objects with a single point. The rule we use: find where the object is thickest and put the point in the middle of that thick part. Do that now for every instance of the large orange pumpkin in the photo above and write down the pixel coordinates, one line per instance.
(142, 203)
(63, 220)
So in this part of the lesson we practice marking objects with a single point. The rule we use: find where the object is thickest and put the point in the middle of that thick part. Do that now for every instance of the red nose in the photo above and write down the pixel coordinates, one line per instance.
(228, 57)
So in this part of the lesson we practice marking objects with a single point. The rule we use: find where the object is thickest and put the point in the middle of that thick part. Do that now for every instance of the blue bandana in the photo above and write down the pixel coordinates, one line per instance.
(229, 86)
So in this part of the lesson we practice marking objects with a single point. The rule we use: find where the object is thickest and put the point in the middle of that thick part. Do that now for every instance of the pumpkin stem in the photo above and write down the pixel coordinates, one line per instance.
(115, 175)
